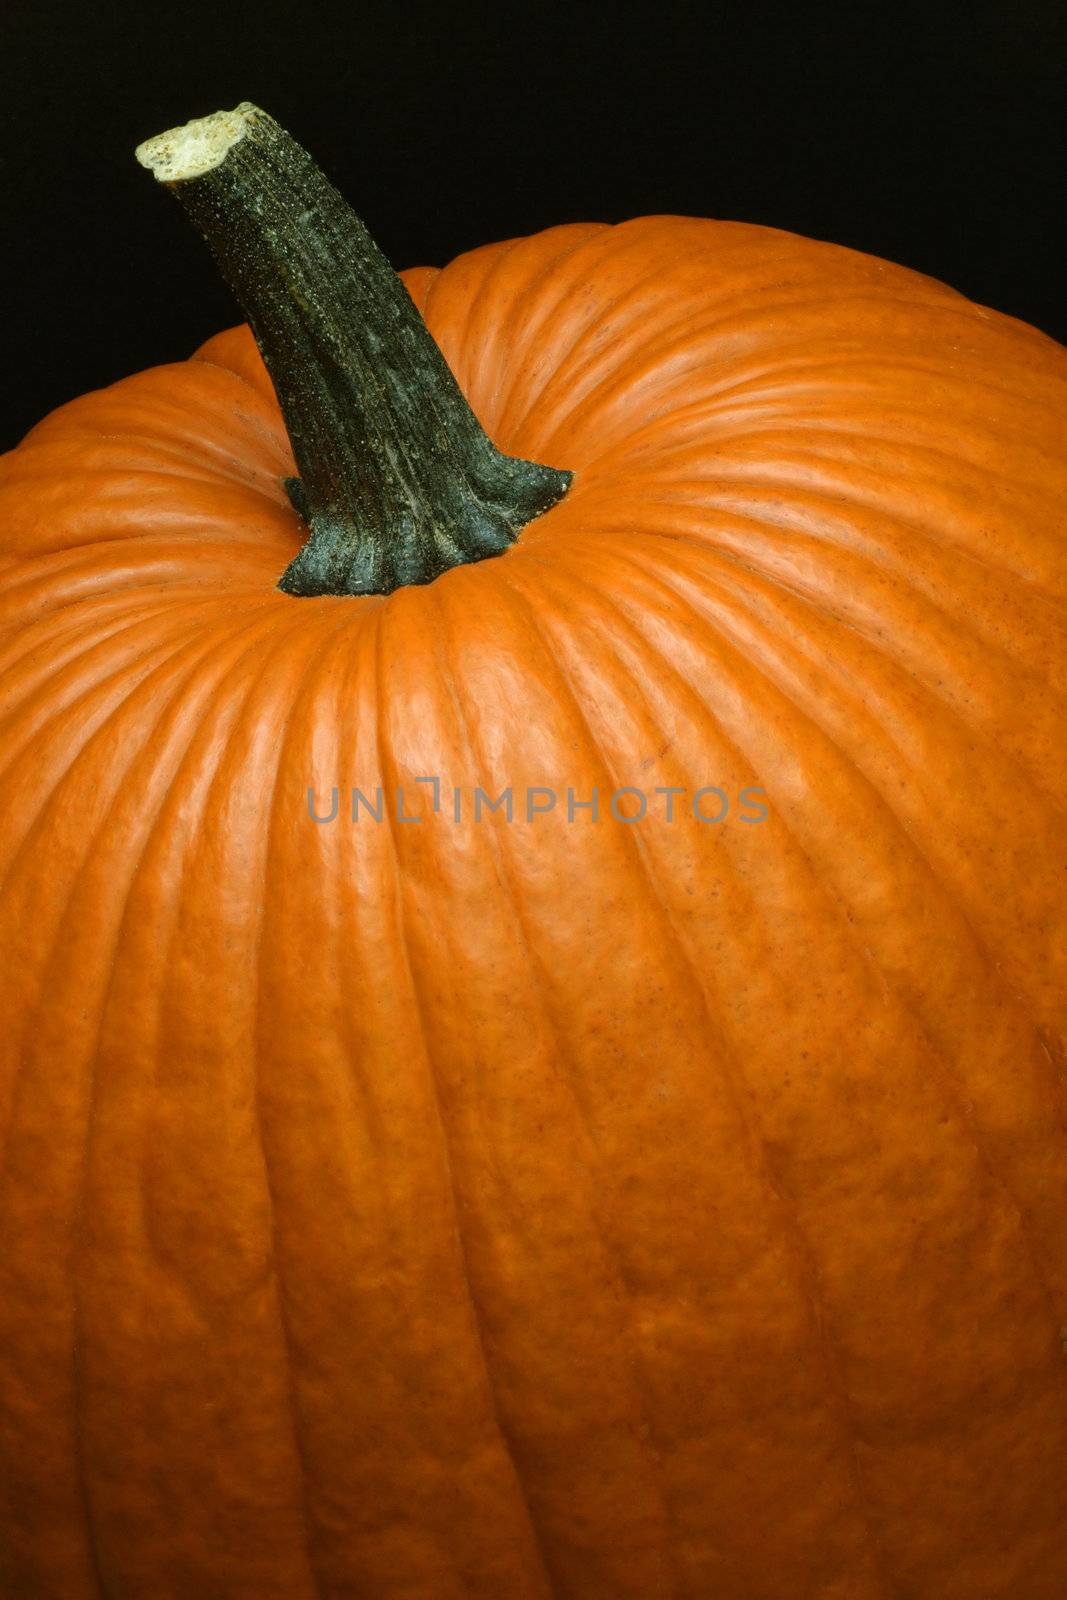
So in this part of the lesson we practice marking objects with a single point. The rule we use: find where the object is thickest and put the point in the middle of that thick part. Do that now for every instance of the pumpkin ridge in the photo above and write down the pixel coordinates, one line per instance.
(504, 1433)
(848, 377)
(1022, 999)
(831, 606)
(993, 974)
(533, 328)
(199, 664)
(831, 434)
(557, 374)
(682, 334)
(768, 592)
(998, 1182)
(32, 722)
(546, 1008)
(175, 465)
(92, 1545)
(555, 371)
(86, 866)
(820, 509)
(191, 418)
(481, 326)
(787, 372)
(234, 351)
(160, 660)
(788, 1220)
(255, 662)
(531, 309)
(937, 1052)
(702, 341)
(610, 1250)
(78, 635)
(144, 571)
(831, 495)
(324, 647)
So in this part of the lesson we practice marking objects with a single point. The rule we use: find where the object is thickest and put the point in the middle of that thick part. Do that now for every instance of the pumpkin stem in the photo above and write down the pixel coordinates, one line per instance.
(398, 480)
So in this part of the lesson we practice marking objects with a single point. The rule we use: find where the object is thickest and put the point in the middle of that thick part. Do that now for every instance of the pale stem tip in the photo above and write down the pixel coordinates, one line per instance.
(187, 152)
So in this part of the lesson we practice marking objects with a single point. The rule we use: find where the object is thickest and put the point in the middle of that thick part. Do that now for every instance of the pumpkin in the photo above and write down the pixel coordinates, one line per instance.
(635, 1199)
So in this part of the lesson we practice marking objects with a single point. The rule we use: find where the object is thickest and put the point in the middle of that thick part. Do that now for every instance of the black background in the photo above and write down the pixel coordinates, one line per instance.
(931, 136)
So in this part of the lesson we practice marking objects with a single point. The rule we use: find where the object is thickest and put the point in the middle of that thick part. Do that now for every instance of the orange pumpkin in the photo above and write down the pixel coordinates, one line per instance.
(563, 1205)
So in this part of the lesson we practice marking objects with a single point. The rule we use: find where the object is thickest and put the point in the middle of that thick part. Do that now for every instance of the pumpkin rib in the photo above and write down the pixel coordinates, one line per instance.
(610, 1251)
(829, 608)
(532, 307)
(81, 1477)
(37, 730)
(789, 1222)
(607, 767)
(778, 594)
(600, 377)
(234, 350)
(484, 327)
(317, 641)
(968, 1131)
(243, 376)
(557, 371)
(618, 439)
(694, 600)
(418, 281)
(595, 319)
(96, 1581)
(762, 519)
(170, 469)
(324, 647)
(22, 1062)
(1025, 997)
(187, 419)
(819, 454)
(779, 584)
(661, 580)
(201, 652)
(832, 432)
(76, 635)
(504, 1433)
(894, 424)
(703, 349)
(793, 371)
(167, 468)
(718, 403)
(560, 1036)
(955, 1088)
(223, 687)
(164, 655)
(379, 751)
(815, 516)
(40, 818)
(91, 642)
(142, 571)
(994, 976)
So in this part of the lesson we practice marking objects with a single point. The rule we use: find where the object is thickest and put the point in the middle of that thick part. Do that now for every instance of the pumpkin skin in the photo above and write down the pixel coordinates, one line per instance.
(439, 1211)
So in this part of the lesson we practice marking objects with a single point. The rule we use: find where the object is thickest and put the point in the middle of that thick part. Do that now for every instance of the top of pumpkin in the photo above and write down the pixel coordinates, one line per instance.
(189, 151)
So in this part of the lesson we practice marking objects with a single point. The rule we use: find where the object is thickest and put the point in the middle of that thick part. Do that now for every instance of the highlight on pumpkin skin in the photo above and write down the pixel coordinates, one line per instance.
(398, 481)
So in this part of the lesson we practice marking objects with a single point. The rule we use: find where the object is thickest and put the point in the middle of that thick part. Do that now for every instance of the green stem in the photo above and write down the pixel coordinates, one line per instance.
(398, 480)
